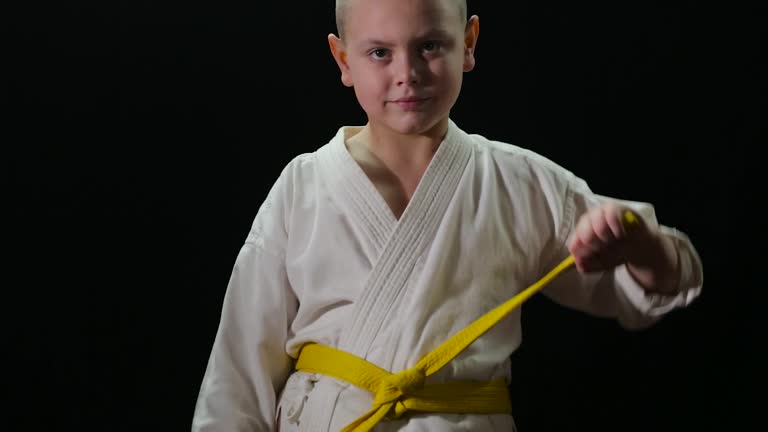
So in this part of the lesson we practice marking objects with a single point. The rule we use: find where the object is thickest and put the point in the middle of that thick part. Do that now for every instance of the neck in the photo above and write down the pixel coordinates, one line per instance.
(405, 154)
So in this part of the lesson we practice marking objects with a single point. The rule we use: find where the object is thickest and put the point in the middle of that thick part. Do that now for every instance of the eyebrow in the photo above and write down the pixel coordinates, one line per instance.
(432, 34)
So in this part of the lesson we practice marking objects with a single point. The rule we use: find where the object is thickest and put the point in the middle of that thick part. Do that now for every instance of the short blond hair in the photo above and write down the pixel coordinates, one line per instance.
(341, 6)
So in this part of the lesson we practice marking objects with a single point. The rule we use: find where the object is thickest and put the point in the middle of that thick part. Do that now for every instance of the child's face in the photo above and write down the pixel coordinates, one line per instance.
(405, 60)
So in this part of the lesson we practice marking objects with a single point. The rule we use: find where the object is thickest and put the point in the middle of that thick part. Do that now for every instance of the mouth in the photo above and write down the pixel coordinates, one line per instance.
(411, 103)
(410, 99)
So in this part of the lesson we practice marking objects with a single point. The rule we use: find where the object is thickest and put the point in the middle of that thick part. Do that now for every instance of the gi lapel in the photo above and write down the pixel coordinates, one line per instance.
(406, 242)
(369, 214)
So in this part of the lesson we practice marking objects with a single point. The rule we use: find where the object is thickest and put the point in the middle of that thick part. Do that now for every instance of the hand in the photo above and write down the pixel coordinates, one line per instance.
(611, 235)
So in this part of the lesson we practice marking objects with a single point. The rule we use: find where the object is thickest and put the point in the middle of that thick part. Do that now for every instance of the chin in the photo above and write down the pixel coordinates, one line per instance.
(413, 124)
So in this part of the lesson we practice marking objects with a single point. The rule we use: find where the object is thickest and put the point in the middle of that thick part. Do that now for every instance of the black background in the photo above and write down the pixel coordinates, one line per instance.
(141, 138)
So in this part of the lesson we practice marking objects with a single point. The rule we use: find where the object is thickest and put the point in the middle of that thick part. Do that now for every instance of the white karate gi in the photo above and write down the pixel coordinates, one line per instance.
(327, 261)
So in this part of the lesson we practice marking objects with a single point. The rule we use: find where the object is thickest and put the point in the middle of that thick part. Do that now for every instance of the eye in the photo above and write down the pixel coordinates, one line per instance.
(379, 53)
(431, 46)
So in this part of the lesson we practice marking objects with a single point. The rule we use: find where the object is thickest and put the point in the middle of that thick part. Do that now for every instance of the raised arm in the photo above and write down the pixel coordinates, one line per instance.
(635, 273)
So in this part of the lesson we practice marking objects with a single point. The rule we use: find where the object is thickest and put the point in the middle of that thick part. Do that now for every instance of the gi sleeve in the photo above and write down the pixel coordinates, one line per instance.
(614, 293)
(248, 365)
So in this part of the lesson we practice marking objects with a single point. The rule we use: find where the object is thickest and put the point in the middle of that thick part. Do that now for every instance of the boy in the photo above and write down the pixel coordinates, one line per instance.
(395, 236)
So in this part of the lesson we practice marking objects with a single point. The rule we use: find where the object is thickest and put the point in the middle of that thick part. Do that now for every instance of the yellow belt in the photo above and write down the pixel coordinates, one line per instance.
(398, 393)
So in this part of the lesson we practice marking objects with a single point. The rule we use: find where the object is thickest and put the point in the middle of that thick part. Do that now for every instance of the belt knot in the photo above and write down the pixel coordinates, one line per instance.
(393, 387)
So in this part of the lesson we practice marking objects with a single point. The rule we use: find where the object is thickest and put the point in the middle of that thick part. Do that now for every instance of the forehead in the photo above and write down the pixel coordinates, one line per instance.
(396, 17)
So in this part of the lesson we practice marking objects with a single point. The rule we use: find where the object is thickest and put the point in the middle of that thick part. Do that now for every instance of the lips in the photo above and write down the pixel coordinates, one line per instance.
(411, 103)
(411, 99)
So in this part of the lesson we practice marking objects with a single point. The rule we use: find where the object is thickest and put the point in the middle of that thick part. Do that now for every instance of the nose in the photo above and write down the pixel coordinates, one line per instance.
(409, 69)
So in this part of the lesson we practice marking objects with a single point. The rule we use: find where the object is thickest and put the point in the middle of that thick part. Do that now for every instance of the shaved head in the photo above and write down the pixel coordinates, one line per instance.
(342, 5)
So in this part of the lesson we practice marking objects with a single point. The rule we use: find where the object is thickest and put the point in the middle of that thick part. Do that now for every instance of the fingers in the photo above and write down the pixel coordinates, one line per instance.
(614, 219)
(599, 227)
(599, 237)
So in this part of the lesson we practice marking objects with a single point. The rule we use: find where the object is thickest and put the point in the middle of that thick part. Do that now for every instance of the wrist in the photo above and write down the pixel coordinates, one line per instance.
(656, 267)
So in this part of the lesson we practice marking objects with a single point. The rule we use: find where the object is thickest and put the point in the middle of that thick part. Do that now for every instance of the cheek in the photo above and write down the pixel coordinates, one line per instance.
(449, 70)
(371, 87)
(449, 77)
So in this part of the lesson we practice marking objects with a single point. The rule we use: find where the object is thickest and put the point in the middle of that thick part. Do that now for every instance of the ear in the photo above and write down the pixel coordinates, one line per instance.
(340, 55)
(470, 42)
